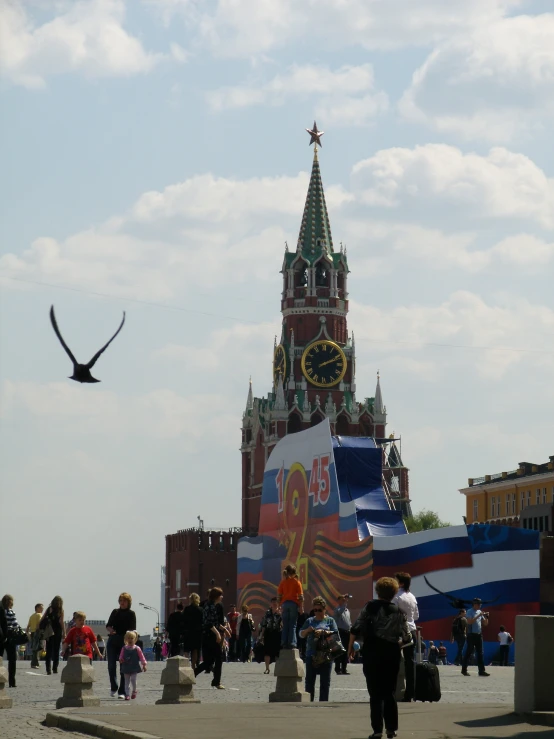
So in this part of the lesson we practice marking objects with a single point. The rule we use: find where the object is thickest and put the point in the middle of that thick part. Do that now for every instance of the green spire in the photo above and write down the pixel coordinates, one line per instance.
(315, 232)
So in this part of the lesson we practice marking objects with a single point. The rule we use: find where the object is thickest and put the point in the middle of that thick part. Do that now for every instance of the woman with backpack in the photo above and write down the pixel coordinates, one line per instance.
(383, 628)
(315, 628)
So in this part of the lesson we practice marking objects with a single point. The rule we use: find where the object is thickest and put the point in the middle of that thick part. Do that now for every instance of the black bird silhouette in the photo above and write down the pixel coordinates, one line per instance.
(456, 602)
(81, 372)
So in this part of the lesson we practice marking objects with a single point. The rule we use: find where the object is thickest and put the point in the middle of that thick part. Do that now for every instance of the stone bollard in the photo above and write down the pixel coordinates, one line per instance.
(534, 645)
(289, 671)
(5, 702)
(177, 678)
(77, 678)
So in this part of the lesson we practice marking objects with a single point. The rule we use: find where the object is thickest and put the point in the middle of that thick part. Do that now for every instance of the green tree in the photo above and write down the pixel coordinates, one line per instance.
(423, 521)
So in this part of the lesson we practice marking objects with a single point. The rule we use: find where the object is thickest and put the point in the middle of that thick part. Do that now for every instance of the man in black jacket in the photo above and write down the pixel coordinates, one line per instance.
(383, 628)
(175, 630)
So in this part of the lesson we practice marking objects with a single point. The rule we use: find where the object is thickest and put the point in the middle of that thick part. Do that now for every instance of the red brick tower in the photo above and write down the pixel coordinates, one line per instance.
(314, 364)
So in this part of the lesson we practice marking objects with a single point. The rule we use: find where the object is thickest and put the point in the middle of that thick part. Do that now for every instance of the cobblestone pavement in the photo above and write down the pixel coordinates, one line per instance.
(245, 683)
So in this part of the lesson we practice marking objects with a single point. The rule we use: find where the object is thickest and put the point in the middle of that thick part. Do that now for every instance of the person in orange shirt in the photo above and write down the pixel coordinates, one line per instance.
(291, 599)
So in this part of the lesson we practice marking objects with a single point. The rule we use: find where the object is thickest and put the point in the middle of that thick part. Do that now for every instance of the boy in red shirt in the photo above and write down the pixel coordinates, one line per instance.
(81, 638)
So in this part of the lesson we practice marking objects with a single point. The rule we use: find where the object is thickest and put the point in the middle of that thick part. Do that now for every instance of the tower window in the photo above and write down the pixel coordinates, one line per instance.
(295, 424)
(316, 419)
(342, 425)
(320, 275)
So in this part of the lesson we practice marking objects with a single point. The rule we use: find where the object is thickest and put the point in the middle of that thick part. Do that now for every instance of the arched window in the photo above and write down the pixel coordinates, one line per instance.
(342, 427)
(295, 424)
(316, 418)
(321, 275)
(301, 275)
(366, 426)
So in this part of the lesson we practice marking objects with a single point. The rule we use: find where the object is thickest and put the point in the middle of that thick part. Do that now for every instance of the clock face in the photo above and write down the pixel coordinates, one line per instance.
(279, 363)
(324, 363)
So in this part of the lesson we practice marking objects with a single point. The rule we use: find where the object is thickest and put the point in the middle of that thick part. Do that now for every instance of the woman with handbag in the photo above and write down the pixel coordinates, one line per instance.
(53, 627)
(323, 646)
(13, 638)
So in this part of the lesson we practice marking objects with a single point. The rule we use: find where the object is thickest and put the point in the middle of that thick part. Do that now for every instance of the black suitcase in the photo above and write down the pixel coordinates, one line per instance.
(427, 683)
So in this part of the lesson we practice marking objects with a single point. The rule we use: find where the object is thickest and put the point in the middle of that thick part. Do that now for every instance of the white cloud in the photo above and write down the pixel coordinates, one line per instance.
(525, 250)
(346, 96)
(158, 414)
(488, 335)
(87, 37)
(500, 185)
(245, 28)
(491, 83)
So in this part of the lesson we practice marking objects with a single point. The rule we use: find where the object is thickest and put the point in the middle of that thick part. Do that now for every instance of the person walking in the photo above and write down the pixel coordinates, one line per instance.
(407, 604)
(504, 639)
(213, 623)
(157, 649)
(121, 620)
(232, 618)
(316, 626)
(433, 655)
(35, 635)
(52, 625)
(192, 629)
(245, 629)
(341, 615)
(442, 654)
(175, 630)
(9, 644)
(459, 634)
(291, 599)
(81, 638)
(132, 661)
(476, 619)
(270, 633)
(383, 628)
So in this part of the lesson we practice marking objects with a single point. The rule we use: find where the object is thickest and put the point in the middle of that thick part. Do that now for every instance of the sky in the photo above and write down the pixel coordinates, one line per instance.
(155, 162)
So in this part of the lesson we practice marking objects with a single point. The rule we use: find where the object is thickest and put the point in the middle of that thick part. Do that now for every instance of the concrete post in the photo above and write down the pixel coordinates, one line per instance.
(5, 702)
(289, 671)
(534, 647)
(177, 678)
(77, 678)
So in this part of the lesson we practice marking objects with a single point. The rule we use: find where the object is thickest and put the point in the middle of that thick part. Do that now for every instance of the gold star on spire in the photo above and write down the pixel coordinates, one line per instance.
(315, 135)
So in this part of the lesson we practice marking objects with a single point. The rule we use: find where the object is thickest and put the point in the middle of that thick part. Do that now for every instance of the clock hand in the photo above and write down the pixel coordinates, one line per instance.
(334, 359)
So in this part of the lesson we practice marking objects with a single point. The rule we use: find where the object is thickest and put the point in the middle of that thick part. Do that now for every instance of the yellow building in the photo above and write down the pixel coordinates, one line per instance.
(504, 497)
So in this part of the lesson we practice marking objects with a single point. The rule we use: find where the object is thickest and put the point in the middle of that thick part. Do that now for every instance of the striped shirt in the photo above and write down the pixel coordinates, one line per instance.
(11, 619)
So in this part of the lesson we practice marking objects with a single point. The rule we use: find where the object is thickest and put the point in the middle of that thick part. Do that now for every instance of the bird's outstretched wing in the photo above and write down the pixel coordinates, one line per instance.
(60, 337)
(92, 362)
(456, 602)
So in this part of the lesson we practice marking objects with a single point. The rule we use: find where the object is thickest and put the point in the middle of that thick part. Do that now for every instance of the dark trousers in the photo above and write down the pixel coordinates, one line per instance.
(461, 643)
(244, 647)
(233, 648)
(504, 654)
(35, 649)
(11, 654)
(409, 668)
(212, 658)
(341, 663)
(115, 643)
(474, 643)
(174, 645)
(324, 672)
(53, 652)
(381, 676)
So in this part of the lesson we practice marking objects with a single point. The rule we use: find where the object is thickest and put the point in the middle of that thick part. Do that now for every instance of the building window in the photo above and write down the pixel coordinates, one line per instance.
(513, 502)
(528, 497)
(544, 495)
(493, 507)
(475, 510)
(535, 523)
(508, 504)
(178, 581)
(522, 504)
(538, 496)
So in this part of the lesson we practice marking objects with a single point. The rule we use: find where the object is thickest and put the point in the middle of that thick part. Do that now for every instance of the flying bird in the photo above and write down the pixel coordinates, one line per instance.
(456, 602)
(81, 372)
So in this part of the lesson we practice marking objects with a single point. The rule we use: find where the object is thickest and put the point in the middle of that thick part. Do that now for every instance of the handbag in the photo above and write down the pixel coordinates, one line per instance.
(17, 636)
(48, 631)
(328, 648)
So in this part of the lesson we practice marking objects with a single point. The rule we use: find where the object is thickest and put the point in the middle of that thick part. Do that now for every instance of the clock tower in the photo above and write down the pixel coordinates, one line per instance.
(314, 361)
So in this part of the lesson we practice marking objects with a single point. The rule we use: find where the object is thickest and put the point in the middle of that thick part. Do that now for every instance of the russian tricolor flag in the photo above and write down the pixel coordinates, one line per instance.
(423, 552)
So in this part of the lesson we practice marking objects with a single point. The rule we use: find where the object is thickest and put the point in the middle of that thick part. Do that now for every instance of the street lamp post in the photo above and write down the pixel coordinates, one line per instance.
(151, 608)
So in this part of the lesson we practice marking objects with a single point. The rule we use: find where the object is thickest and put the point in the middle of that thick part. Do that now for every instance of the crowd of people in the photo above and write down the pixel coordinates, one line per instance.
(386, 627)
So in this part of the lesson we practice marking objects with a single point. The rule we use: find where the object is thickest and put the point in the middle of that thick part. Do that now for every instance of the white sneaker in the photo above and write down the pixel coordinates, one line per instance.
(121, 697)
(113, 693)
